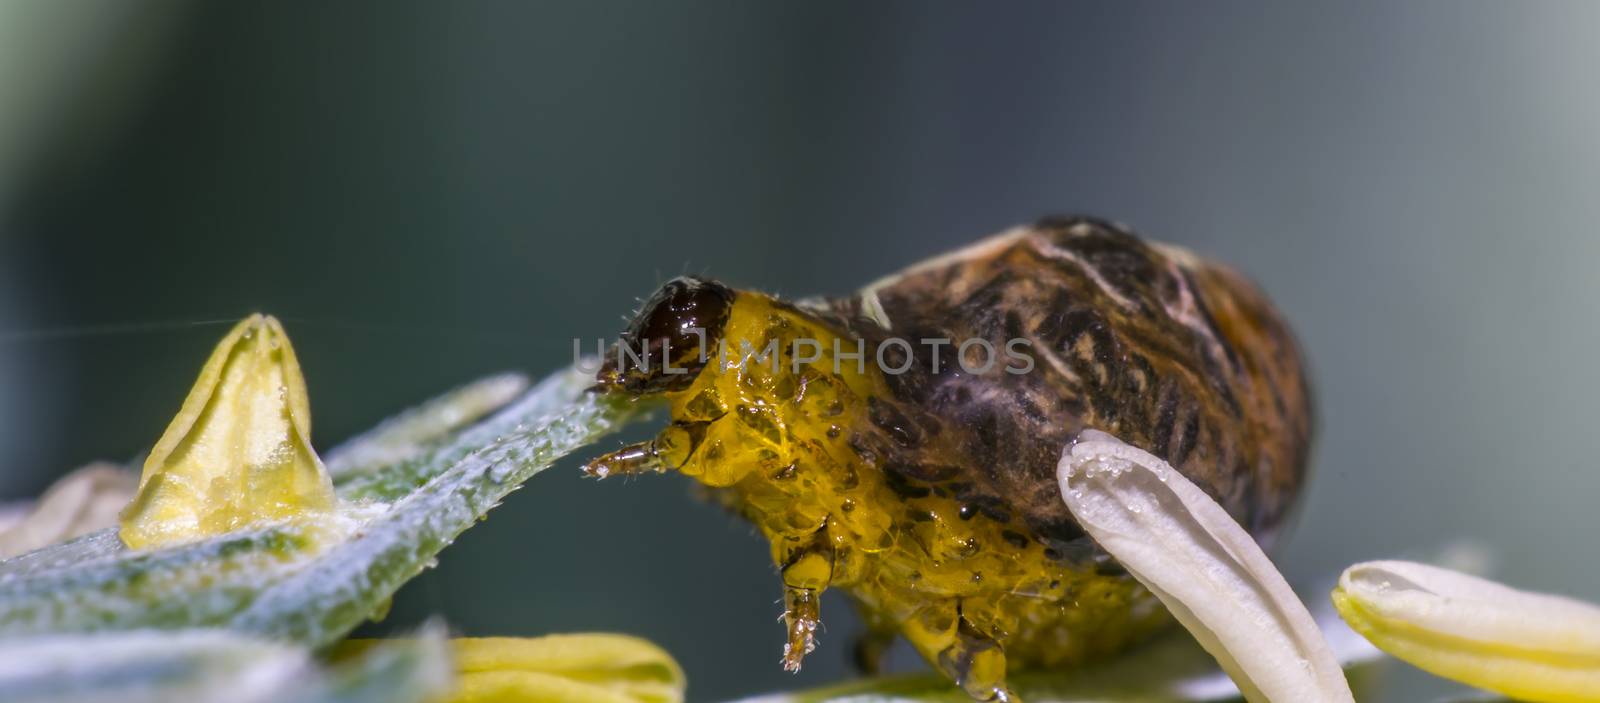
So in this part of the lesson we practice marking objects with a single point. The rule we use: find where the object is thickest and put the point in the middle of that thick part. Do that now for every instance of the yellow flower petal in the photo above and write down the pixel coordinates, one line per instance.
(1204, 567)
(580, 668)
(584, 667)
(532, 687)
(1529, 646)
(238, 452)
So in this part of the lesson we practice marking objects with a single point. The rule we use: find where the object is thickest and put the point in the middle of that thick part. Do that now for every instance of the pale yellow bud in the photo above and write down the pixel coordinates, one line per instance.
(238, 452)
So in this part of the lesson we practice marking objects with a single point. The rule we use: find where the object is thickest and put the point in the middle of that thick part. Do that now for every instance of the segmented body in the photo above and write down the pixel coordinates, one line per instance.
(929, 495)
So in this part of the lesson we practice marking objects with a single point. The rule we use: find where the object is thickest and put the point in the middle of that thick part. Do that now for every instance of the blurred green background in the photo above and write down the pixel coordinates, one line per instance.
(429, 193)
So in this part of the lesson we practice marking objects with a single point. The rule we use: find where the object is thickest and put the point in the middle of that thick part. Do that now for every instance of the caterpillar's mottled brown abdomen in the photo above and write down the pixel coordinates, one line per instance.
(921, 480)
(1170, 353)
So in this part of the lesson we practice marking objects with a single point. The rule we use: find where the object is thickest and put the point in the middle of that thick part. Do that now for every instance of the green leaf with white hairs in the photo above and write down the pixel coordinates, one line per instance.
(215, 666)
(408, 435)
(312, 581)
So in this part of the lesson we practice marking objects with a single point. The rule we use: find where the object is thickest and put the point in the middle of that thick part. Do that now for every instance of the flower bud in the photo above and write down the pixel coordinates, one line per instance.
(238, 452)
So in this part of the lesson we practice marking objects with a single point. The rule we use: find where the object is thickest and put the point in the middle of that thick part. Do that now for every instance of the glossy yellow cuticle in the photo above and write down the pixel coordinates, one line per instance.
(778, 441)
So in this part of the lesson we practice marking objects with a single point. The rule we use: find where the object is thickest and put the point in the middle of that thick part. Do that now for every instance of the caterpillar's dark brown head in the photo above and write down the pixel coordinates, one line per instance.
(671, 339)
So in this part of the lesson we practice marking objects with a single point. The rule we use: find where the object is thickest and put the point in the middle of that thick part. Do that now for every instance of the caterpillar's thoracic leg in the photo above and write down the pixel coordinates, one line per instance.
(668, 451)
(960, 651)
(872, 645)
(978, 665)
(807, 566)
(631, 460)
(801, 616)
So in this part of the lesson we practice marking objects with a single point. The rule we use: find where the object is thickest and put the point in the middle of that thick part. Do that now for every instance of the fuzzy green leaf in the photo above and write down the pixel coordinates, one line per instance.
(206, 666)
(313, 582)
(411, 433)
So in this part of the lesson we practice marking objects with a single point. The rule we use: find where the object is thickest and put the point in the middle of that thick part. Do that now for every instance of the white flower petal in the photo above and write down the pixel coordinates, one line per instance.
(1531, 646)
(1203, 566)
